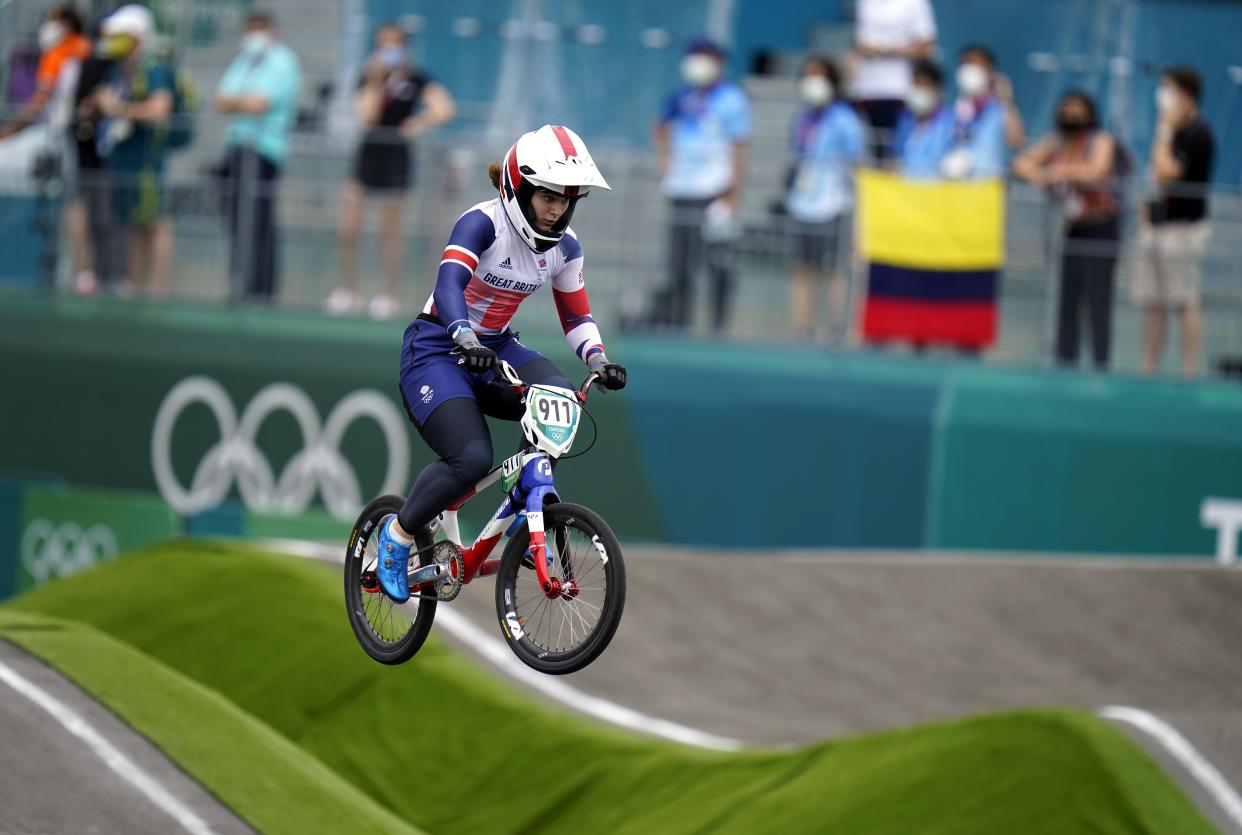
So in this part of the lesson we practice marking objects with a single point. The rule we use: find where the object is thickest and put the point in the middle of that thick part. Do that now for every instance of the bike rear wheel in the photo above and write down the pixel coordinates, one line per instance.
(565, 634)
(389, 632)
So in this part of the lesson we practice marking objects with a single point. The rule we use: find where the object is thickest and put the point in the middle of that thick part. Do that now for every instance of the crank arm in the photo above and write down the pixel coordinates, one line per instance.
(426, 574)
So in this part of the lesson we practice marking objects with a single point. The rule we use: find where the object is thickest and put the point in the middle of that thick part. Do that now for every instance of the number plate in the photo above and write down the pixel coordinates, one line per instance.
(510, 471)
(554, 410)
(554, 419)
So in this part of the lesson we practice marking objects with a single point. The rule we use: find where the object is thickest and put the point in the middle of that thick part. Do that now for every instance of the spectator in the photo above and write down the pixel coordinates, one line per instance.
(396, 103)
(64, 48)
(137, 103)
(93, 180)
(890, 34)
(982, 123)
(1079, 163)
(1173, 234)
(701, 140)
(925, 127)
(260, 90)
(828, 142)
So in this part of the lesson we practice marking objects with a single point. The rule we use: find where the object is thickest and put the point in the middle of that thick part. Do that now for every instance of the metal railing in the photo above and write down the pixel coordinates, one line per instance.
(625, 235)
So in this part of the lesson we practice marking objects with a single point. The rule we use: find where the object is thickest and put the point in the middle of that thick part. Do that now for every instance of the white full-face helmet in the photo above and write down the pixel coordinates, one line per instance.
(553, 158)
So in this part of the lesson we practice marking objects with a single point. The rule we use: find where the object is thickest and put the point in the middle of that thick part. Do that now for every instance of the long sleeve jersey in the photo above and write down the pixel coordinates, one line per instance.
(487, 271)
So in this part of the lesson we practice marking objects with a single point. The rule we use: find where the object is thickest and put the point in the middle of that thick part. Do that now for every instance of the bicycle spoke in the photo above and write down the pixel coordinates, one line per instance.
(543, 617)
(535, 596)
(579, 601)
(560, 641)
(586, 627)
(591, 566)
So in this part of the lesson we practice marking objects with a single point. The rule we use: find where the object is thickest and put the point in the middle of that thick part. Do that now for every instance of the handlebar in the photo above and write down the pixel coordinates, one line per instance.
(509, 374)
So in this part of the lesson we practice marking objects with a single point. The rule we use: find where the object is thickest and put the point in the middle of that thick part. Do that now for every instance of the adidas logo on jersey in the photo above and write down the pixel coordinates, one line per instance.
(506, 264)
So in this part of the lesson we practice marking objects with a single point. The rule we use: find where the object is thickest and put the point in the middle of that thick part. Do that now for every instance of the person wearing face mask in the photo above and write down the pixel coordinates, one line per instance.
(137, 105)
(1173, 233)
(983, 123)
(396, 103)
(828, 143)
(1080, 164)
(890, 36)
(259, 90)
(63, 47)
(925, 128)
(701, 141)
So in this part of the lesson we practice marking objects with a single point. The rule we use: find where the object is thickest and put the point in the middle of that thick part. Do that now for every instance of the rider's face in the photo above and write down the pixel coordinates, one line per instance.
(548, 207)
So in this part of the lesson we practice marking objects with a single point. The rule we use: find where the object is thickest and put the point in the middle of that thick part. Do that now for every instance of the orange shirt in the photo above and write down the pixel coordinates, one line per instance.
(72, 48)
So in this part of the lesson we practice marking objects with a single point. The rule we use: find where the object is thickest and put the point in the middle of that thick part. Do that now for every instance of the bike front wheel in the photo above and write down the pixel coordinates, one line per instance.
(562, 634)
(389, 632)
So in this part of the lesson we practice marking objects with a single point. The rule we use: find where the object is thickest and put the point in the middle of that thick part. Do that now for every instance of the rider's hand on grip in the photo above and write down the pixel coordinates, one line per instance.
(611, 375)
(474, 356)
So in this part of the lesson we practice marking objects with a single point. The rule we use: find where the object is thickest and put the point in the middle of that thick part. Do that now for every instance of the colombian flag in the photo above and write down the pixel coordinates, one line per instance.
(934, 250)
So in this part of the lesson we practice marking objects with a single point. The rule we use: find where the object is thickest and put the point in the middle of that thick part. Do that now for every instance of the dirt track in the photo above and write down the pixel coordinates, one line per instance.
(52, 782)
(777, 649)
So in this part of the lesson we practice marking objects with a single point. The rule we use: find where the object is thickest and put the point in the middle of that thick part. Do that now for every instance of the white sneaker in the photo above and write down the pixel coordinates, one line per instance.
(384, 306)
(341, 302)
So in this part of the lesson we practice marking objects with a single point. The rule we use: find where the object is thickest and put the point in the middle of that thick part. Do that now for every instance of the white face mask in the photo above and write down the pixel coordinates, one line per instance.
(921, 100)
(51, 32)
(699, 70)
(1166, 99)
(972, 79)
(253, 42)
(815, 90)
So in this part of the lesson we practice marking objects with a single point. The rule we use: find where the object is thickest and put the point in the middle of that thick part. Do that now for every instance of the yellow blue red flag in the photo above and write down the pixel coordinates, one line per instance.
(934, 251)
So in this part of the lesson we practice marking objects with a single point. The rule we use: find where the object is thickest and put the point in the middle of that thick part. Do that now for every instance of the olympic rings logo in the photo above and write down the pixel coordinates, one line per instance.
(236, 456)
(49, 551)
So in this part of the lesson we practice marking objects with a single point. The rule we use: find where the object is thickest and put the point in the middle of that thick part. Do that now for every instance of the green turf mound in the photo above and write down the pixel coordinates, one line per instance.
(261, 775)
(452, 749)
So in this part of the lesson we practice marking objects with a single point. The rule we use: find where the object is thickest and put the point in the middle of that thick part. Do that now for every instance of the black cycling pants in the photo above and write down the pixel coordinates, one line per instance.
(457, 432)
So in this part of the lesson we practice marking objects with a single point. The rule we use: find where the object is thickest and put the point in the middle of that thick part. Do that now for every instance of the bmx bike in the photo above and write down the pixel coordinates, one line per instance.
(560, 581)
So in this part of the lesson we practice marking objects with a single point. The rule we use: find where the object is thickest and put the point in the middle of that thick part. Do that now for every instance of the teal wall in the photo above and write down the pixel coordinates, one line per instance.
(712, 444)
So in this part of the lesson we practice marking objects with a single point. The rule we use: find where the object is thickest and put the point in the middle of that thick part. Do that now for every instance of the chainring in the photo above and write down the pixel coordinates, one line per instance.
(449, 555)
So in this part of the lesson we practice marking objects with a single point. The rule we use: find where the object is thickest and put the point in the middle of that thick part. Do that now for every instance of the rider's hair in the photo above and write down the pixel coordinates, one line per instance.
(493, 171)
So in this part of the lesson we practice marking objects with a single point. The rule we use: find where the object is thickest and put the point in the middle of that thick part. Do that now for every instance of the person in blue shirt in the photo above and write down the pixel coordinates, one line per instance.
(925, 129)
(259, 89)
(828, 141)
(986, 123)
(701, 140)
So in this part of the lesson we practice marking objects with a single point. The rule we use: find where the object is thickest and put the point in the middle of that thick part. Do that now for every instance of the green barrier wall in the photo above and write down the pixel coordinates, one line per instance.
(711, 444)
(1066, 462)
(51, 532)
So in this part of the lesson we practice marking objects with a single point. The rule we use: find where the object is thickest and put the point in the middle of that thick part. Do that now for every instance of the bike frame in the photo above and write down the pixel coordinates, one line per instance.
(534, 488)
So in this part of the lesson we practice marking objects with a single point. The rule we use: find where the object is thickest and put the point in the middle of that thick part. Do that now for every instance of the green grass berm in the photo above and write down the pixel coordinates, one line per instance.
(221, 635)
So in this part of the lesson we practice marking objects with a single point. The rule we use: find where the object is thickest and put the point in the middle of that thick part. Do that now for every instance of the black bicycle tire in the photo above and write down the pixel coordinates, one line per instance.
(614, 606)
(397, 652)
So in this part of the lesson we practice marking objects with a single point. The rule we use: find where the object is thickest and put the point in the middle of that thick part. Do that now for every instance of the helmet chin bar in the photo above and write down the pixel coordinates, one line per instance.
(543, 241)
